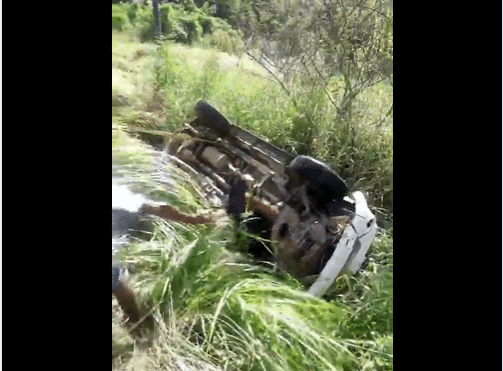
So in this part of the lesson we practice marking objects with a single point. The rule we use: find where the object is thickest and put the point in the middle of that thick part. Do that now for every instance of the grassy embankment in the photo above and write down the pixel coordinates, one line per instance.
(215, 310)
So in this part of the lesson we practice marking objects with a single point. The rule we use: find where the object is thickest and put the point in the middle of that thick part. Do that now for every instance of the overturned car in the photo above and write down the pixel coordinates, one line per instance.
(319, 230)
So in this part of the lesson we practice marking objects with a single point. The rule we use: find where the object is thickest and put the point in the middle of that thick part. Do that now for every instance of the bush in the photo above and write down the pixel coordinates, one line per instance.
(192, 28)
(183, 23)
(207, 23)
(119, 17)
(132, 13)
(226, 41)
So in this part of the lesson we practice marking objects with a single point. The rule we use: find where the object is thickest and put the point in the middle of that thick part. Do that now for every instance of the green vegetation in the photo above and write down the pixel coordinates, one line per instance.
(214, 309)
(184, 23)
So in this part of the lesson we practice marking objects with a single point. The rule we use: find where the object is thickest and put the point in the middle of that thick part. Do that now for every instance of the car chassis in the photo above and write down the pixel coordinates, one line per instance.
(319, 230)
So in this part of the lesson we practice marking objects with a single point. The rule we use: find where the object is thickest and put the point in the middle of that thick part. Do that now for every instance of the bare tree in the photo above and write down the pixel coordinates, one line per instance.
(340, 47)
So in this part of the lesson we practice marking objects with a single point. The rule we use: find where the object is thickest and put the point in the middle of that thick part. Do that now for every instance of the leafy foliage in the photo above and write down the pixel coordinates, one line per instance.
(185, 22)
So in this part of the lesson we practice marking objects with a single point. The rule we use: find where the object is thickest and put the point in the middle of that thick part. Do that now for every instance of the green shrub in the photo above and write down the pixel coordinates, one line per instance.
(227, 41)
(207, 23)
(185, 23)
(132, 13)
(169, 21)
(118, 23)
(119, 17)
(192, 28)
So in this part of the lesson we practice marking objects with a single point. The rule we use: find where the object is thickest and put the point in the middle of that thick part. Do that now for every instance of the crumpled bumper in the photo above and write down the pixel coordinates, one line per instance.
(351, 252)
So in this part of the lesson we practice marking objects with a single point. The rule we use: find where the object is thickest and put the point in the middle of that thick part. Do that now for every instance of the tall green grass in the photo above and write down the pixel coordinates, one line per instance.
(237, 316)
(215, 309)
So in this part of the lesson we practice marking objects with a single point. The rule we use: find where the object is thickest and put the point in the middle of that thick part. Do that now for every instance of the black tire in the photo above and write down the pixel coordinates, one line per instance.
(323, 181)
(209, 117)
